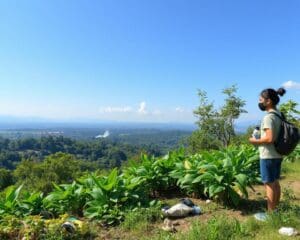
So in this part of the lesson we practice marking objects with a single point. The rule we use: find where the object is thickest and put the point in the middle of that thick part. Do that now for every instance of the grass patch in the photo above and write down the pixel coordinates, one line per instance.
(218, 227)
(221, 226)
(291, 169)
(212, 207)
(141, 219)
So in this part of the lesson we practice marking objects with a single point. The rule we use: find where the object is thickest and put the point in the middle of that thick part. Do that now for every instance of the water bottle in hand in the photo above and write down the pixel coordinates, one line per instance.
(256, 133)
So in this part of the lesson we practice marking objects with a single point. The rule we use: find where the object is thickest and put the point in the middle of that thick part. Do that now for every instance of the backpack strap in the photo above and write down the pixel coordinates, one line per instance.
(282, 117)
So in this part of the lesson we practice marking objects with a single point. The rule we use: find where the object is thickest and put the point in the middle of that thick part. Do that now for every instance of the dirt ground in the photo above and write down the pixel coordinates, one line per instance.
(255, 203)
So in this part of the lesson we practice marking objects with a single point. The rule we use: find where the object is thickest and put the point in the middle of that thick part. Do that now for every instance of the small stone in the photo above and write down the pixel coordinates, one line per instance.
(288, 231)
(168, 226)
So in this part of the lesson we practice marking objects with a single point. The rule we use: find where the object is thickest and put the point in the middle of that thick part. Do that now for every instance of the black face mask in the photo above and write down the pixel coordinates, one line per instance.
(262, 106)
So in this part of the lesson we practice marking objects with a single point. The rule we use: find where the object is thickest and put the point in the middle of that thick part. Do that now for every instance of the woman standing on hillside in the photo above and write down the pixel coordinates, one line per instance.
(270, 159)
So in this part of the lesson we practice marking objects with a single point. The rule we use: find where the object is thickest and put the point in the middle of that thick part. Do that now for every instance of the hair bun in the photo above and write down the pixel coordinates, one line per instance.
(281, 91)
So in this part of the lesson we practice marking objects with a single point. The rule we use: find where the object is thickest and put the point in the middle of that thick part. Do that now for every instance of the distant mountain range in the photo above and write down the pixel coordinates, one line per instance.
(10, 122)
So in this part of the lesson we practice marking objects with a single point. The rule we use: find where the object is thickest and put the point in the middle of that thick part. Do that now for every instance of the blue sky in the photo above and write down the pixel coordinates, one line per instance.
(135, 60)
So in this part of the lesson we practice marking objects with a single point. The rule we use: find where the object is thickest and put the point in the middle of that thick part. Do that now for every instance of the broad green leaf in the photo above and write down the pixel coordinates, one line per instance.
(234, 197)
(197, 179)
(187, 178)
(187, 165)
(242, 179)
(227, 162)
(219, 178)
(215, 189)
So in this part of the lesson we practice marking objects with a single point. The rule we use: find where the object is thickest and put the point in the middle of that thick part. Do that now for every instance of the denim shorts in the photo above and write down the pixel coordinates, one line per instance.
(270, 169)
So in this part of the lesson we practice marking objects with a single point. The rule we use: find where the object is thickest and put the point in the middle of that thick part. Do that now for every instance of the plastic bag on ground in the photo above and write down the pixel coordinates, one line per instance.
(288, 231)
(181, 210)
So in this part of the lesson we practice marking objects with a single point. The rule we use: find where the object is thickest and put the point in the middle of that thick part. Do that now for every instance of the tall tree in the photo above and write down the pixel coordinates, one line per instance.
(230, 111)
(216, 127)
(290, 112)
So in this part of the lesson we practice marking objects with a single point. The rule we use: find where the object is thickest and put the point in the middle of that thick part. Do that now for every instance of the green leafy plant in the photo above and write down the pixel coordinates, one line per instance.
(295, 155)
(154, 172)
(31, 203)
(113, 195)
(66, 198)
(223, 175)
(9, 205)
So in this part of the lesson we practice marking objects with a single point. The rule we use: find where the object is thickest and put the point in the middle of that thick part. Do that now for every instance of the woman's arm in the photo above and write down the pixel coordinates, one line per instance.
(267, 139)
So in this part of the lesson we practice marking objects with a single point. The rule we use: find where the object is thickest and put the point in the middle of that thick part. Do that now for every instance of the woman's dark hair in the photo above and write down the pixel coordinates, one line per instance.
(270, 93)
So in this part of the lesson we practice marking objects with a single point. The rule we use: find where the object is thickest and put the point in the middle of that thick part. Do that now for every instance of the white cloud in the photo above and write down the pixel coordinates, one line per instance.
(142, 108)
(143, 113)
(139, 112)
(179, 109)
(291, 85)
(116, 109)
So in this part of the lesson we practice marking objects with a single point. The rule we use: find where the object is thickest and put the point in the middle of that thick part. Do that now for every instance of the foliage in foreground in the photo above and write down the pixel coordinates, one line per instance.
(35, 227)
(118, 196)
(223, 175)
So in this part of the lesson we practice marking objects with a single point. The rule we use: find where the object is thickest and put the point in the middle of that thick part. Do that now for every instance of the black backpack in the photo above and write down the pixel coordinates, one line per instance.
(288, 136)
